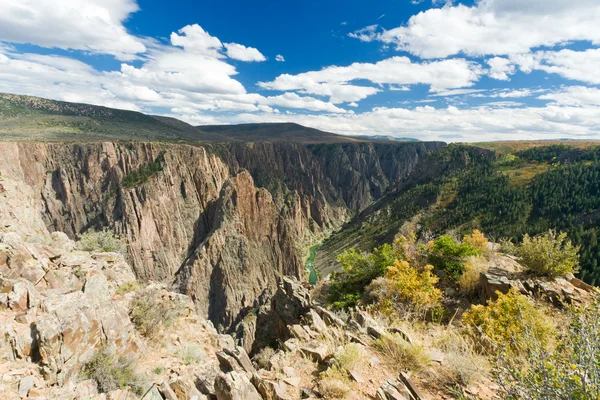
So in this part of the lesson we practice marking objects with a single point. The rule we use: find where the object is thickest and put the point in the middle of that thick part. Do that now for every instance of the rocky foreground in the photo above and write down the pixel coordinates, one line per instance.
(61, 307)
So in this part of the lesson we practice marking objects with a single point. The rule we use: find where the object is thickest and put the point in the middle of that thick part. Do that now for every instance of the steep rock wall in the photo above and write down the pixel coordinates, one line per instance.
(202, 222)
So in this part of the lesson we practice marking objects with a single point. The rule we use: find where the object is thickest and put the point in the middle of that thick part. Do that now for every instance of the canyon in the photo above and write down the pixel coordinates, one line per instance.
(220, 222)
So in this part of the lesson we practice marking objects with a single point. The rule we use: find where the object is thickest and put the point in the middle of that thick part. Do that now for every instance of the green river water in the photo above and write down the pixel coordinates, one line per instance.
(312, 278)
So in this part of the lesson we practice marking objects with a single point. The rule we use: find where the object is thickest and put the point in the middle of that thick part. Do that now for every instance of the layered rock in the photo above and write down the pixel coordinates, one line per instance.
(201, 221)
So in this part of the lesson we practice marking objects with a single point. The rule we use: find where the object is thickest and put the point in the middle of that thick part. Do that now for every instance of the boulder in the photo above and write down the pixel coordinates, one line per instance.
(316, 351)
(235, 386)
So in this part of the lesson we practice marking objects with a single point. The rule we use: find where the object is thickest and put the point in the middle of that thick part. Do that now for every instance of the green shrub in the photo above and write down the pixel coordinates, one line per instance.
(103, 241)
(150, 313)
(111, 372)
(127, 287)
(446, 254)
(144, 172)
(571, 371)
(348, 356)
(549, 254)
(358, 270)
(503, 325)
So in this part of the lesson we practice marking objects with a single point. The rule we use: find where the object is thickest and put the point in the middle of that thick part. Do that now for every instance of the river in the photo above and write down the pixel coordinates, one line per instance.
(312, 278)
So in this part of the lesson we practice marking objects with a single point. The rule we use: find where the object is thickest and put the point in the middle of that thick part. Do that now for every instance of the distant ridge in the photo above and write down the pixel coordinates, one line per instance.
(33, 118)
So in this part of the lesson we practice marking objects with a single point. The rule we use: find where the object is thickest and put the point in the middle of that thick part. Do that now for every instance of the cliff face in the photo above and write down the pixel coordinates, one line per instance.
(202, 222)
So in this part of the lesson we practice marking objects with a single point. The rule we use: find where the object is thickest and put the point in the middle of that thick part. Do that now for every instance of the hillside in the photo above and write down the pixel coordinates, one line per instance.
(507, 195)
(32, 118)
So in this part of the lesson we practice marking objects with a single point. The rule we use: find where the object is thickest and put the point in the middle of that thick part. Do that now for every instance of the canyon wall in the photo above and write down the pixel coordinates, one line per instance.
(221, 222)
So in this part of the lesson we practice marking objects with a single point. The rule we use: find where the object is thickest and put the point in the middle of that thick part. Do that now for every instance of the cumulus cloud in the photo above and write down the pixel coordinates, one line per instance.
(333, 81)
(574, 96)
(279, 58)
(243, 53)
(493, 27)
(501, 68)
(292, 100)
(89, 25)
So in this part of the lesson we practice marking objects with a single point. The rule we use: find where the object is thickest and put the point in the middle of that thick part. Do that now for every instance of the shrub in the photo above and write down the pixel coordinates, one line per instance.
(127, 287)
(406, 290)
(348, 356)
(572, 371)
(263, 358)
(191, 353)
(477, 241)
(549, 254)
(111, 372)
(149, 313)
(401, 355)
(332, 388)
(448, 255)
(358, 270)
(469, 281)
(103, 241)
(501, 325)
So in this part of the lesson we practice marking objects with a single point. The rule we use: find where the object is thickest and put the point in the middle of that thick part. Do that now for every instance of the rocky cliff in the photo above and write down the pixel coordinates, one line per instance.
(221, 221)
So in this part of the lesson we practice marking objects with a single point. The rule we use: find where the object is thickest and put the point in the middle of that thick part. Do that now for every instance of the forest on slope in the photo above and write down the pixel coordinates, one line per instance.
(506, 193)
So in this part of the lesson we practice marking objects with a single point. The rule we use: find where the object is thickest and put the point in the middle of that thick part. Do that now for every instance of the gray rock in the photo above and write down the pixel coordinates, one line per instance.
(235, 386)
(25, 385)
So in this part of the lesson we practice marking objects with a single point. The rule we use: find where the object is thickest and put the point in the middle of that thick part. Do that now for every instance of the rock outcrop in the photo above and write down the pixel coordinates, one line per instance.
(201, 221)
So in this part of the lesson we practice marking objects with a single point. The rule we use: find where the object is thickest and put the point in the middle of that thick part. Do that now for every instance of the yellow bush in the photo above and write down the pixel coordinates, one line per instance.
(468, 282)
(505, 323)
(477, 240)
(406, 289)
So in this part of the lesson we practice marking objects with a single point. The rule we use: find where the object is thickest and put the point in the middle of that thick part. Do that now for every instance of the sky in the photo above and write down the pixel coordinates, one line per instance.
(473, 70)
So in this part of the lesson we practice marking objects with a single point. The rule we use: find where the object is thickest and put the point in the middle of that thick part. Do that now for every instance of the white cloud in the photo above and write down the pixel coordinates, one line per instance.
(514, 93)
(89, 25)
(365, 33)
(194, 39)
(399, 88)
(353, 104)
(243, 53)
(279, 58)
(333, 81)
(493, 27)
(577, 65)
(471, 124)
(574, 96)
(292, 100)
(457, 92)
(500, 68)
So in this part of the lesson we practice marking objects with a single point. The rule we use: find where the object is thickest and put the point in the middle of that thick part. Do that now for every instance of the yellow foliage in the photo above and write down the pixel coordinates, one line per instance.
(477, 240)
(509, 323)
(407, 289)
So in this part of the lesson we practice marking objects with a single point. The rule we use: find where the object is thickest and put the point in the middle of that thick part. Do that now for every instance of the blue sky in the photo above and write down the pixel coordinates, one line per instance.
(449, 70)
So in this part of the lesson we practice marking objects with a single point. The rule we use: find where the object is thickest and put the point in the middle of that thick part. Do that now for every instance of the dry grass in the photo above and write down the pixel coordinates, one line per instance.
(332, 388)
(469, 281)
(399, 355)
(150, 313)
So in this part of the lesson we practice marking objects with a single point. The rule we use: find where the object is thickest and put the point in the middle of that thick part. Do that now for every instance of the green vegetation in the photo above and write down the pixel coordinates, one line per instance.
(549, 254)
(358, 270)
(449, 256)
(111, 372)
(103, 241)
(127, 287)
(144, 172)
(524, 190)
(570, 371)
